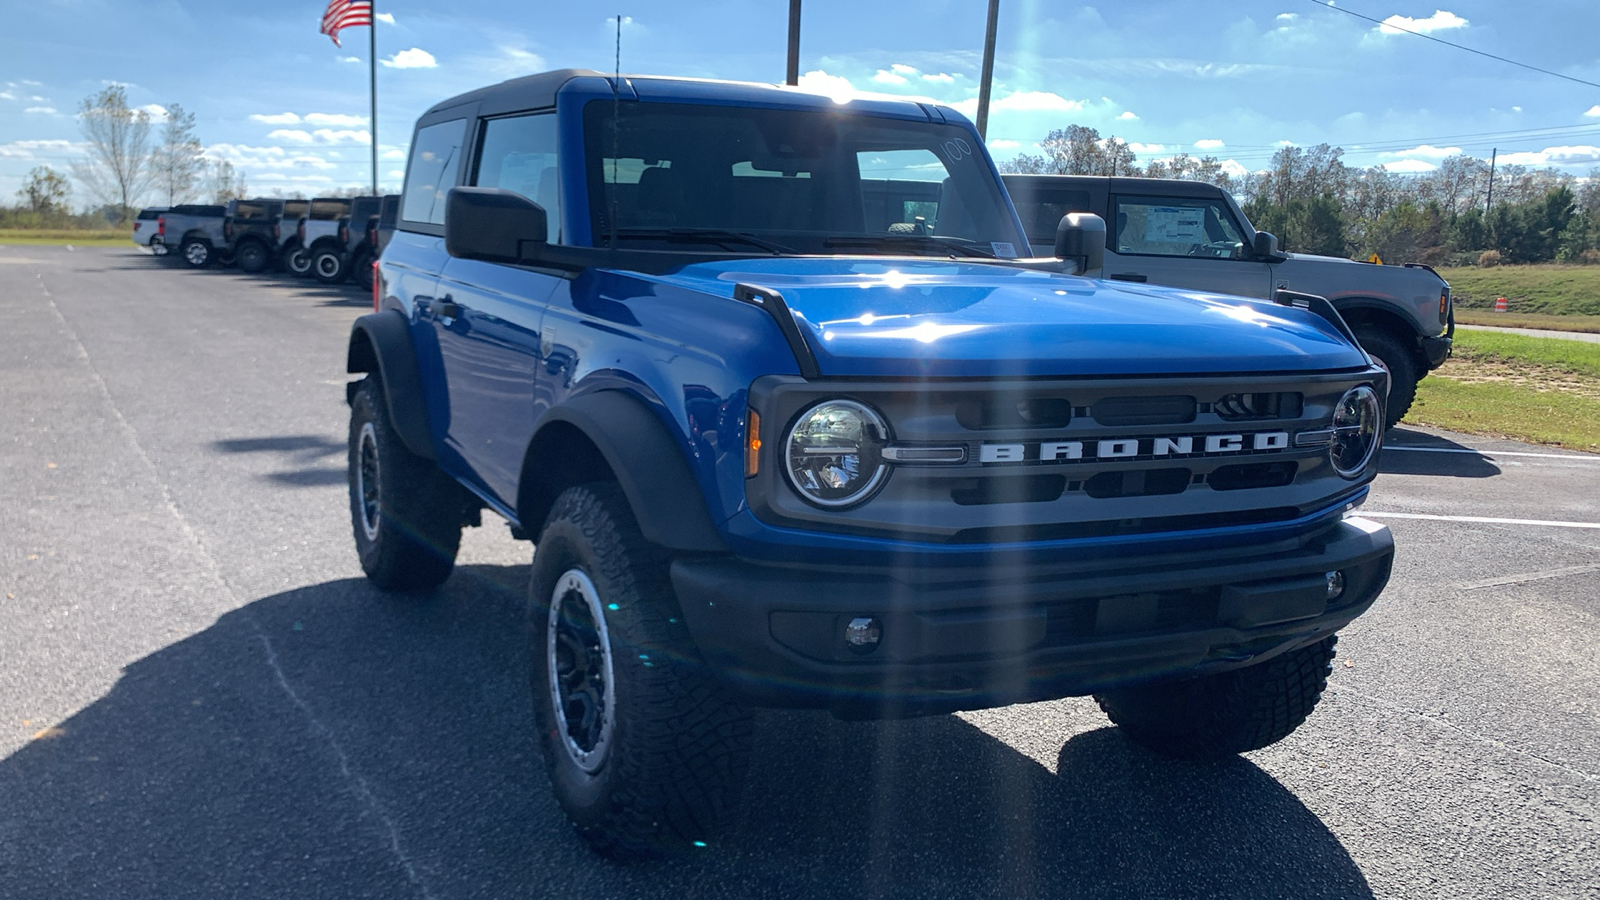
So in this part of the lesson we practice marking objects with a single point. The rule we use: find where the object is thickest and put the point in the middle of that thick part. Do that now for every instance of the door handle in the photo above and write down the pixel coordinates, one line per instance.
(446, 308)
(1130, 276)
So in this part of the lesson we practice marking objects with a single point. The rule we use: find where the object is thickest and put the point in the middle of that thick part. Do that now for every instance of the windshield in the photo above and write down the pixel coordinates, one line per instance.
(811, 182)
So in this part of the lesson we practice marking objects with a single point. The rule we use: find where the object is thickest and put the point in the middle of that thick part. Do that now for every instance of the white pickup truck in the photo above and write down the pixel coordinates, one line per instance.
(1194, 235)
(147, 230)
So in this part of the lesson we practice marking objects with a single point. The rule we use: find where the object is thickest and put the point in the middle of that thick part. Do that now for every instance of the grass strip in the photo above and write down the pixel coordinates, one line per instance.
(1590, 324)
(63, 236)
(1545, 289)
(1539, 390)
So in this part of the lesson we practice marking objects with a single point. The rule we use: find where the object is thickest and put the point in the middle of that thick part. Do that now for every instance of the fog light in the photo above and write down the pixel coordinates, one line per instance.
(863, 634)
(1335, 584)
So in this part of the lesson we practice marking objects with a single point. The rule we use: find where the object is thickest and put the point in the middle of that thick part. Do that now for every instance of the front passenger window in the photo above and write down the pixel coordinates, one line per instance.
(1177, 226)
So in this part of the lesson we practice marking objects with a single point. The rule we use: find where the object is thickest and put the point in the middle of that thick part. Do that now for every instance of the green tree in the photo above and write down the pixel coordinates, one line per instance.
(45, 192)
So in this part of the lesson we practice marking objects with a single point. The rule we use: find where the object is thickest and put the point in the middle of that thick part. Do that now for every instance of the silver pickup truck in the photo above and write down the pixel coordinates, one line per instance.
(196, 233)
(147, 230)
(1194, 235)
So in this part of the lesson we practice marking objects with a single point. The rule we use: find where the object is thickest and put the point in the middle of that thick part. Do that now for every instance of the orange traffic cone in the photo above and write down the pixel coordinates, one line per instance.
(1500, 304)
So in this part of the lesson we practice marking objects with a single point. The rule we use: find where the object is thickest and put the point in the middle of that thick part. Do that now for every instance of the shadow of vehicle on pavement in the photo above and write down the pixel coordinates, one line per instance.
(332, 741)
(1407, 452)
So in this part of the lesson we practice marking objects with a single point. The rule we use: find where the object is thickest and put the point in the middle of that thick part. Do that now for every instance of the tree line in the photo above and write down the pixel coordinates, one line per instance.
(1461, 213)
(127, 160)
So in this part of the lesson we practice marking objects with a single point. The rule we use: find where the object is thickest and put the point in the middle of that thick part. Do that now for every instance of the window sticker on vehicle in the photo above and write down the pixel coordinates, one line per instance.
(1003, 249)
(1175, 224)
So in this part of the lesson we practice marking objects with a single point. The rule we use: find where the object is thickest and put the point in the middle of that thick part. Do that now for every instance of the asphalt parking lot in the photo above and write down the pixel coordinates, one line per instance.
(201, 697)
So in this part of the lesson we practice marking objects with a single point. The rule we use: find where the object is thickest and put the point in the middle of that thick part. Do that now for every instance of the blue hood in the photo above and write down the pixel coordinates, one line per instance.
(871, 317)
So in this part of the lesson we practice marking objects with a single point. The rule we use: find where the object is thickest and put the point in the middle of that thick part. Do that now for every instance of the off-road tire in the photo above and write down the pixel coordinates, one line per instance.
(330, 266)
(252, 257)
(408, 536)
(1401, 366)
(361, 270)
(1215, 716)
(297, 262)
(679, 747)
(196, 254)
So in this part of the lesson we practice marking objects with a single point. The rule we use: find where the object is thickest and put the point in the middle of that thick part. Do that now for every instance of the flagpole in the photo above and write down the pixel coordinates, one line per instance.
(372, 89)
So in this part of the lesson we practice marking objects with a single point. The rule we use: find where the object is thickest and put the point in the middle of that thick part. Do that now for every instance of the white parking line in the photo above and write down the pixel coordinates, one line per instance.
(1531, 576)
(1491, 453)
(1487, 520)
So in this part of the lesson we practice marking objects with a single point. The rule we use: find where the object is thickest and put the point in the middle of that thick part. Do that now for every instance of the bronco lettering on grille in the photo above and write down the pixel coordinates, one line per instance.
(1132, 448)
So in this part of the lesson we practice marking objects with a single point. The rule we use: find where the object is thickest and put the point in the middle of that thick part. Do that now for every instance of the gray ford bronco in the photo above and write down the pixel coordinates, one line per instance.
(1194, 235)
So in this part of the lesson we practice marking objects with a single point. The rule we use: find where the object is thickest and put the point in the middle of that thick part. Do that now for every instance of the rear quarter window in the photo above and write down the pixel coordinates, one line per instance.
(431, 173)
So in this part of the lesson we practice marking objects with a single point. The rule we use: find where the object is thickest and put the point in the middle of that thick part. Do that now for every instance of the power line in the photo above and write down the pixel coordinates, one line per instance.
(1430, 37)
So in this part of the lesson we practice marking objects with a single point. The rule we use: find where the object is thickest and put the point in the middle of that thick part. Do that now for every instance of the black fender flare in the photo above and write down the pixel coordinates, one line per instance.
(647, 463)
(1360, 307)
(381, 342)
(327, 243)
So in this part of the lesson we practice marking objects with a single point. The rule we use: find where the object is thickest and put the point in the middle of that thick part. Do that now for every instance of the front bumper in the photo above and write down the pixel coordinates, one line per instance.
(1009, 632)
(1436, 350)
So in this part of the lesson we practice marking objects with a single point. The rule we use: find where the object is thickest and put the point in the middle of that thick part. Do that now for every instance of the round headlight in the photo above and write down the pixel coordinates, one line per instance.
(834, 453)
(1357, 426)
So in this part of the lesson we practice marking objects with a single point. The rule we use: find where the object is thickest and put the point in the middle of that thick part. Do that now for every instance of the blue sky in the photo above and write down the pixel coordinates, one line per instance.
(1230, 79)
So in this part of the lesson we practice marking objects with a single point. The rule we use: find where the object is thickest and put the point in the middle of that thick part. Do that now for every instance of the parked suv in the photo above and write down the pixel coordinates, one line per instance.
(332, 257)
(289, 253)
(147, 230)
(196, 230)
(1194, 235)
(251, 230)
(319, 225)
(380, 227)
(783, 440)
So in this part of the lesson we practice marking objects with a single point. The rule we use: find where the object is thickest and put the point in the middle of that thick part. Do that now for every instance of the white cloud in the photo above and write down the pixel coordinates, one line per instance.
(1593, 110)
(1439, 21)
(292, 135)
(1004, 145)
(392, 154)
(1142, 149)
(287, 118)
(1234, 169)
(885, 76)
(7, 95)
(156, 111)
(350, 59)
(38, 99)
(396, 173)
(903, 69)
(385, 18)
(1208, 144)
(1554, 156)
(1426, 150)
(30, 82)
(1284, 144)
(1023, 101)
(514, 61)
(26, 149)
(335, 119)
(837, 87)
(44, 110)
(416, 58)
(939, 78)
(1516, 109)
(1287, 17)
(1128, 115)
(1409, 167)
(257, 159)
(343, 136)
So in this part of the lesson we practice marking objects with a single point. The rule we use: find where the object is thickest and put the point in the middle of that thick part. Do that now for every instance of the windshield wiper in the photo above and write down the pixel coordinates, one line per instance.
(719, 236)
(890, 241)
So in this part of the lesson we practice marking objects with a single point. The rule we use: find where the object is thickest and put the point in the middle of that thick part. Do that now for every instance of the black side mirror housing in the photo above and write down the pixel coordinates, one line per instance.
(1265, 247)
(1082, 236)
(493, 225)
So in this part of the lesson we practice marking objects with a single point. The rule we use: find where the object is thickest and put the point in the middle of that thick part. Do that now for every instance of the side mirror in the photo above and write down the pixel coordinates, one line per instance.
(493, 225)
(1265, 247)
(1082, 236)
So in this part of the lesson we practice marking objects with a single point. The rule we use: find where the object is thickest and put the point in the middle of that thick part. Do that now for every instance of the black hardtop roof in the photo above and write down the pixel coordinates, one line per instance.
(191, 209)
(530, 91)
(1117, 185)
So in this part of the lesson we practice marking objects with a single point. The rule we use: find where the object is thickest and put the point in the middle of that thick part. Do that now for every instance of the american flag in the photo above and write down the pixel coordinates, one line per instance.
(345, 14)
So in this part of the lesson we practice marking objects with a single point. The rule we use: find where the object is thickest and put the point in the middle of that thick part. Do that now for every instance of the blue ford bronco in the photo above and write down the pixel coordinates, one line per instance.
(793, 421)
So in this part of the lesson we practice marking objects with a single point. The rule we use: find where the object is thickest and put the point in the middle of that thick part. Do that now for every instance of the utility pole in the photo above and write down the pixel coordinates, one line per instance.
(1495, 154)
(988, 69)
(794, 43)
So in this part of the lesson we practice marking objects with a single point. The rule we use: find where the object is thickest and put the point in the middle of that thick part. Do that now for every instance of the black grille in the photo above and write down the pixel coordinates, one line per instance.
(1252, 475)
(1273, 405)
(984, 413)
(1115, 411)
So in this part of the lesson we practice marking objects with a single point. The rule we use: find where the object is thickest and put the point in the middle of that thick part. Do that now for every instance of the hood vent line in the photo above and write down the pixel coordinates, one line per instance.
(772, 301)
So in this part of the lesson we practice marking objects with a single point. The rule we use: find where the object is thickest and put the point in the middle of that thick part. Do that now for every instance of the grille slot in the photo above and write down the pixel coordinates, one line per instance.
(1008, 489)
(1116, 411)
(1252, 475)
(982, 414)
(1271, 405)
(1117, 527)
(1137, 483)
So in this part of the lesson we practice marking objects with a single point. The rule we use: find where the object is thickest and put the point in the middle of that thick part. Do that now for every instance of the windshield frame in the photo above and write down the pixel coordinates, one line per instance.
(595, 117)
